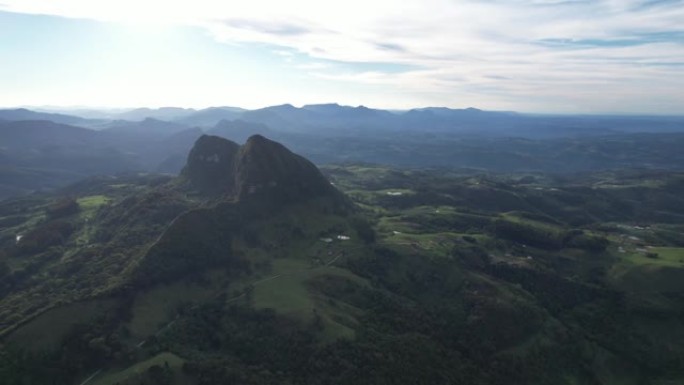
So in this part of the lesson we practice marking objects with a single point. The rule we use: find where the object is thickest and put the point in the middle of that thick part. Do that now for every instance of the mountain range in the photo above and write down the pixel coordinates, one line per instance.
(43, 150)
(319, 118)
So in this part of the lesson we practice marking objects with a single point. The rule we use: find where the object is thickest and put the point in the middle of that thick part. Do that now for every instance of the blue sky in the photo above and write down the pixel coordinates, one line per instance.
(603, 56)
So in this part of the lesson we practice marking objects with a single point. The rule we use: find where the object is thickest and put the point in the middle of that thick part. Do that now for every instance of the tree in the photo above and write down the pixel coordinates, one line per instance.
(364, 229)
(62, 208)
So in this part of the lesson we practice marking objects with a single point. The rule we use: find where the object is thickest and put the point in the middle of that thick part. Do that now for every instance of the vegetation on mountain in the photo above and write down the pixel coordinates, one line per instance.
(415, 276)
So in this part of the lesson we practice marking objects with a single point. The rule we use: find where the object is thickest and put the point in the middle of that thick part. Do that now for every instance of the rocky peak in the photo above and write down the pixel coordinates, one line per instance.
(260, 169)
(268, 168)
(210, 166)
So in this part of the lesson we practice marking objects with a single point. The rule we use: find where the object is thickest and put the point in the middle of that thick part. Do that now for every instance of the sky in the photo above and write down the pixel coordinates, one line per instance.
(544, 56)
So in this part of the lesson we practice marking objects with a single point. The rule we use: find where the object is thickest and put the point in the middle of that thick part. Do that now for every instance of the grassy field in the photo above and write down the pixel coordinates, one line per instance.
(391, 224)
(542, 225)
(436, 243)
(135, 373)
(154, 308)
(673, 256)
(92, 201)
(636, 272)
(662, 257)
(47, 330)
(89, 206)
(287, 292)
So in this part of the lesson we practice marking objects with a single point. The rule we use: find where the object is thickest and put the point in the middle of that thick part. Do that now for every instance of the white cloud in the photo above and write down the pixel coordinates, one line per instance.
(313, 66)
(539, 53)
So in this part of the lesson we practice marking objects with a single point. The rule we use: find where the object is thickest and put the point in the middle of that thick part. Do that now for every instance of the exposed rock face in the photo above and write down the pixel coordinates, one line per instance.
(211, 165)
(268, 168)
(260, 168)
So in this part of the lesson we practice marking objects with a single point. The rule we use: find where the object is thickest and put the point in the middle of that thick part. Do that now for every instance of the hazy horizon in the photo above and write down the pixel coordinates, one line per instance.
(74, 110)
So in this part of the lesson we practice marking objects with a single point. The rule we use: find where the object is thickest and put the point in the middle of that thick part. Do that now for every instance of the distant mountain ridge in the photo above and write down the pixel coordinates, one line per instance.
(23, 114)
(62, 148)
(147, 126)
(332, 119)
(211, 116)
(240, 130)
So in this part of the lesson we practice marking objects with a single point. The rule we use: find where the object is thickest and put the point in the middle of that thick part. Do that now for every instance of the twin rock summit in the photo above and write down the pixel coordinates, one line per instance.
(245, 184)
(261, 168)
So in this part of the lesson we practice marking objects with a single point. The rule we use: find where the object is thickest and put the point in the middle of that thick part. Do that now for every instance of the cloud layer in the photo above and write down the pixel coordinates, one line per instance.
(535, 55)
